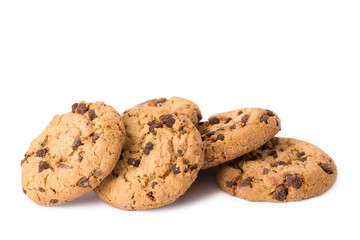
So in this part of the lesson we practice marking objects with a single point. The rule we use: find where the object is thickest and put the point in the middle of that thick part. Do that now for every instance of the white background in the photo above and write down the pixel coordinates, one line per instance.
(298, 58)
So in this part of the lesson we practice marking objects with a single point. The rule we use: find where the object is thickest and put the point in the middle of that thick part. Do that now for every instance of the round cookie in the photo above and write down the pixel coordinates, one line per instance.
(175, 105)
(74, 153)
(282, 170)
(232, 134)
(161, 158)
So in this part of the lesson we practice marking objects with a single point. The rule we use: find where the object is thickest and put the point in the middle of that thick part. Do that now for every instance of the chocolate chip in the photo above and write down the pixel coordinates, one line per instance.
(41, 153)
(209, 134)
(228, 120)
(277, 123)
(230, 184)
(73, 107)
(24, 191)
(153, 125)
(180, 152)
(182, 130)
(97, 173)
(53, 201)
(244, 119)
(174, 168)
(151, 196)
(270, 113)
(266, 146)
(246, 182)
(204, 130)
(327, 168)
(278, 163)
(293, 181)
(300, 154)
(303, 159)
(233, 126)
(240, 112)
(273, 153)
(234, 164)
(41, 190)
(81, 108)
(80, 157)
(63, 165)
(264, 118)
(77, 143)
(159, 101)
(220, 137)
(43, 165)
(133, 162)
(95, 137)
(168, 120)
(148, 147)
(83, 182)
(213, 120)
(280, 193)
(220, 129)
(92, 114)
(153, 184)
(265, 171)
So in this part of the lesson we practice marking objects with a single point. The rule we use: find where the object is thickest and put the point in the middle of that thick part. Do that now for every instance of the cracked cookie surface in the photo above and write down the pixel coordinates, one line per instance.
(281, 170)
(74, 153)
(232, 134)
(175, 105)
(161, 157)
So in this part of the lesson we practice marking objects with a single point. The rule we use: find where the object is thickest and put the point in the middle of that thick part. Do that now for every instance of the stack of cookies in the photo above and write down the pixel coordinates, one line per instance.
(150, 155)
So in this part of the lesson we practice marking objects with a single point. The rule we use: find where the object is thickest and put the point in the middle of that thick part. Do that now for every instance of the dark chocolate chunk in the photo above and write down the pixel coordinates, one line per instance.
(153, 184)
(182, 130)
(77, 143)
(220, 137)
(240, 112)
(264, 118)
(278, 163)
(270, 113)
(43, 165)
(327, 168)
(174, 168)
(41, 153)
(244, 119)
(159, 101)
(92, 114)
(246, 182)
(80, 157)
(228, 120)
(73, 107)
(83, 182)
(265, 171)
(153, 125)
(277, 123)
(300, 154)
(293, 181)
(151, 196)
(230, 184)
(24, 191)
(41, 190)
(53, 201)
(114, 174)
(148, 147)
(168, 120)
(303, 159)
(95, 137)
(213, 120)
(209, 134)
(97, 173)
(273, 153)
(180, 152)
(81, 108)
(280, 193)
(133, 162)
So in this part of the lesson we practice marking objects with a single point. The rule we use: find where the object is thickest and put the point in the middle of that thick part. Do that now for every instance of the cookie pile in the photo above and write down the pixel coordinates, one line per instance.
(150, 155)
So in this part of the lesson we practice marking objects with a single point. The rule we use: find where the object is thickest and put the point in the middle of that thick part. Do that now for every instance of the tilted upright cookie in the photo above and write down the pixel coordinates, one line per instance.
(74, 153)
(232, 134)
(175, 105)
(282, 170)
(161, 158)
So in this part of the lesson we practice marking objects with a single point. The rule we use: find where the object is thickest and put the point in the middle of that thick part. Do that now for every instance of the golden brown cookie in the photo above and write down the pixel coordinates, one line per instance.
(282, 170)
(161, 158)
(175, 105)
(231, 134)
(74, 153)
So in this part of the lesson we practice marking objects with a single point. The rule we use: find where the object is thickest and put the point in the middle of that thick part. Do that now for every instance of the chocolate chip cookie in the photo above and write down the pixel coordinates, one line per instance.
(231, 134)
(175, 105)
(161, 157)
(281, 170)
(74, 153)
